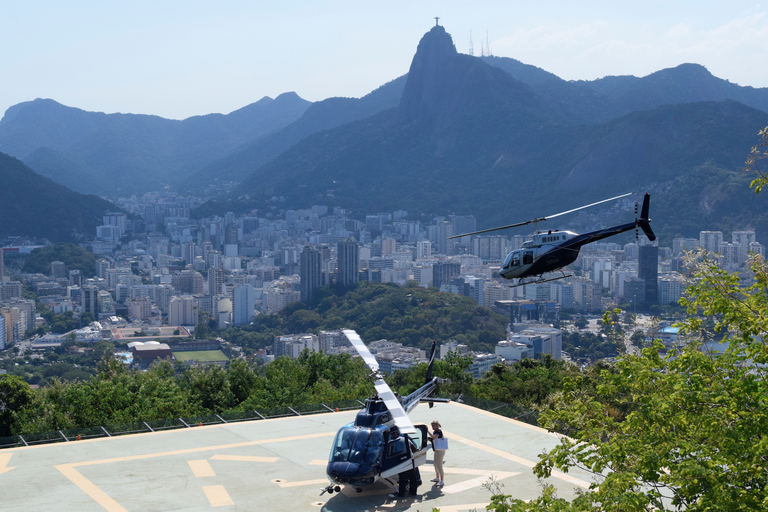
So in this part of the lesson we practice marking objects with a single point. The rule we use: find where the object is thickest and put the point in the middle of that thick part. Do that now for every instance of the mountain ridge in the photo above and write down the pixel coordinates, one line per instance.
(134, 152)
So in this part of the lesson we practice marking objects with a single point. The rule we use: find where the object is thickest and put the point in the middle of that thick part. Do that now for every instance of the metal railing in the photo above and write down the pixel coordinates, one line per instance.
(77, 434)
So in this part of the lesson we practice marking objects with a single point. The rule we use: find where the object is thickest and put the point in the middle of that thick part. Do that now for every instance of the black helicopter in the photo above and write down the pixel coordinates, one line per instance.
(382, 442)
(549, 251)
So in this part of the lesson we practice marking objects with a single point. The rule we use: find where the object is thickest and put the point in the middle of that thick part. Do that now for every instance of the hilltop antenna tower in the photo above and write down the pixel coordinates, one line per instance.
(487, 46)
(471, 47)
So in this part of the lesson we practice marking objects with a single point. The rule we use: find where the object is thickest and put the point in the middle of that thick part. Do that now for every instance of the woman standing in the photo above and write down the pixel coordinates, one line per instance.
(439, 453)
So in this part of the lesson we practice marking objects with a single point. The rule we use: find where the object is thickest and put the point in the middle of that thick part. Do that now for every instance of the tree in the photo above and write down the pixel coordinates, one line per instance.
(755, 155)
(73, 256)
(15, 395)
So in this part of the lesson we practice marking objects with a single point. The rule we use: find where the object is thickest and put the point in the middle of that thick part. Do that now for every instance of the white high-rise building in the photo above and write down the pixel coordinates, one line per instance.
(243, 304)
(2, 332)
(423, 249)
(710, 240)
(183, 310)
(744, 239)
(140, 308)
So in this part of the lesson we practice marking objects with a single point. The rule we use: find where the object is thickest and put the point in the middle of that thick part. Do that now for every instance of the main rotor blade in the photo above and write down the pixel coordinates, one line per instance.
(356, 342)
(540, 219)
(587, 206)
(394, 407)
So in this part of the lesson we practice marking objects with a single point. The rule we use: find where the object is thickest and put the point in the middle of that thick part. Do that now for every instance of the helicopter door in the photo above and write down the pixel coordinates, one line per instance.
(420, 438)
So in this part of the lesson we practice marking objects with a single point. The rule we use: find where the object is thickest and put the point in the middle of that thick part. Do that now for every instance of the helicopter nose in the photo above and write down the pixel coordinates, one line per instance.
(348, 471)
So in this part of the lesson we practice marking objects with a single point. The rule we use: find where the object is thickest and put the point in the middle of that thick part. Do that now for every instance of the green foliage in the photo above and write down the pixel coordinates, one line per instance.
(527, 383)
(755, 155)
(118, 395)
(73, 256)
(15, 395)
(452, 368)
(683, 430)
(589, 346)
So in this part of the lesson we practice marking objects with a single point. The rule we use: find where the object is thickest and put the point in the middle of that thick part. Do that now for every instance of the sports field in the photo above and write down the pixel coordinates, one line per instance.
(203, 356)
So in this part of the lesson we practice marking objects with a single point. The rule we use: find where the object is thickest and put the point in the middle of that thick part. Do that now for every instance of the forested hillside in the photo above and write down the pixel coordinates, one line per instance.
(34, 206)
(409, 315)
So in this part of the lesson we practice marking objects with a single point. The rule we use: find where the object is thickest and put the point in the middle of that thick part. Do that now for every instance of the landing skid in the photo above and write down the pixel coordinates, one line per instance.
(539, 281)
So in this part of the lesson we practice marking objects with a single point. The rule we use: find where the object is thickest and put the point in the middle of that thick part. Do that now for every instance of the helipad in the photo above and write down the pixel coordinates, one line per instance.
(274, 464)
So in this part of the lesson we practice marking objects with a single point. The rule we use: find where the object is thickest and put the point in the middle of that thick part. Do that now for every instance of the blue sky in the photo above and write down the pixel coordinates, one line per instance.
(178, 59)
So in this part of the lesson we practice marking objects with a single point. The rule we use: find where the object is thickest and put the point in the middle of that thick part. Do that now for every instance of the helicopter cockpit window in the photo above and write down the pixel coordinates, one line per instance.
(512, 260)
(361, 446)
(527, 257)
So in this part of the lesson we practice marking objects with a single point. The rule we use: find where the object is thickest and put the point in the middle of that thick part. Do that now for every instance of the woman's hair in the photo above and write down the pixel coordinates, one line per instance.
(435, 422)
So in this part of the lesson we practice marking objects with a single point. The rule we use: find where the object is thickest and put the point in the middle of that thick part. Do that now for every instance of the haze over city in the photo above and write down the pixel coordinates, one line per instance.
(180, 59)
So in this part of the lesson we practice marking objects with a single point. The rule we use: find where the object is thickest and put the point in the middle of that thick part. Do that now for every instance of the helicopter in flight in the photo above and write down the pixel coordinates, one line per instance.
(382, 442)
(550, 251)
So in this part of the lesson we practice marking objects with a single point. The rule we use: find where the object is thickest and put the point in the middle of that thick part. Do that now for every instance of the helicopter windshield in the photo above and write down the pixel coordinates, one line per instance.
(358, 445)
(513, 259)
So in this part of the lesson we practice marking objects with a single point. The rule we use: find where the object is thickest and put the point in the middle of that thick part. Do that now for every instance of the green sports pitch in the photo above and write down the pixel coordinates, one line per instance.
(202, 356)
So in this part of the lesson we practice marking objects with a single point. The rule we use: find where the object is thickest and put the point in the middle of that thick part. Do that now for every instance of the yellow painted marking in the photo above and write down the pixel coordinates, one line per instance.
(318, 462)
(111, 505)
(284, 483)
(217, 496)
(525, 462)
(245, 458)
(201, 468)
(5, 458)
(90, 489)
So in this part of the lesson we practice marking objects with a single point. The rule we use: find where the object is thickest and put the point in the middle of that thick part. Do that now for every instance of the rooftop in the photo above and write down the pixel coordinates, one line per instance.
(276, 464)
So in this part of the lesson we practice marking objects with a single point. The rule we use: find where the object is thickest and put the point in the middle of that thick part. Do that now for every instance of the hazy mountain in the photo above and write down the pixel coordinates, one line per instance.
(468, 137)
(35, 206)
(456, 114)
(321, 115)
(128, 153)
(615, 96)
(458, 134)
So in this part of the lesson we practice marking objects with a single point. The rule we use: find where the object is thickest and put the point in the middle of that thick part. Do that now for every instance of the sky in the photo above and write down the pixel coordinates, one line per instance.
(178, 59)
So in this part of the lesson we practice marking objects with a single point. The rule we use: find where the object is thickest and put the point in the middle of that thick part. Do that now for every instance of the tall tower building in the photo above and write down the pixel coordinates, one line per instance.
(215, 281)
(442, 273)
(744, 239)
(2, 265)
(710, 240)
(75, 278)
(231, 233)
(648, 269)
(444, 230)
(243, 304)
(90, 299)
(423, 249)
(348, 260)
(183, 310)
(388, 246)
(58, 270)
(310, 271)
